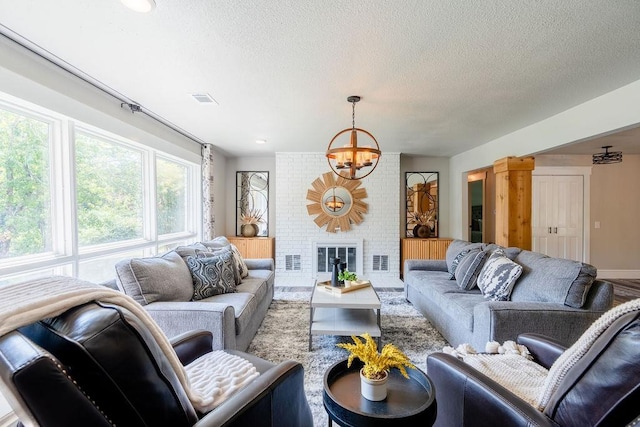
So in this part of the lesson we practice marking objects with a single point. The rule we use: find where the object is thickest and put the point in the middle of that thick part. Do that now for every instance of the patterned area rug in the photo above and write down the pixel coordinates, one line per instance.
(284, 334)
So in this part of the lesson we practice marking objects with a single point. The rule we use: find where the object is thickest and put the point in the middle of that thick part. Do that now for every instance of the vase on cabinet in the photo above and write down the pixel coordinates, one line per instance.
(249, 230)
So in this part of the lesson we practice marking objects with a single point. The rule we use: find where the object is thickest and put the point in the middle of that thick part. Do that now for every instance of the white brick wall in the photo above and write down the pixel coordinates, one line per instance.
(296, 229)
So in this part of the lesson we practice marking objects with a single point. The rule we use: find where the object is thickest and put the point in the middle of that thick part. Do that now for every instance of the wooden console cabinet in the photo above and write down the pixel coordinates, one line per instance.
(255, 247)
(412, 248)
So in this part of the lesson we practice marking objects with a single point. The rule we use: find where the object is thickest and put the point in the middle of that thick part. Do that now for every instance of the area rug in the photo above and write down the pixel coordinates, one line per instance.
(284, 335)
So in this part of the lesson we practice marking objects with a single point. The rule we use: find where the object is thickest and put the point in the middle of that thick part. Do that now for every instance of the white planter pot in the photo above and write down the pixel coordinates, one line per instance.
(374, 390)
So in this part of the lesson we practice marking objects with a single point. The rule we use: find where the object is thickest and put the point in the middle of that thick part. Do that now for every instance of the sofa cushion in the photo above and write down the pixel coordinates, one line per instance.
(557, 280)
(498, 276)
(244, 305)
(212, 275)
(163, 278)
(469, 268)
(254, 285)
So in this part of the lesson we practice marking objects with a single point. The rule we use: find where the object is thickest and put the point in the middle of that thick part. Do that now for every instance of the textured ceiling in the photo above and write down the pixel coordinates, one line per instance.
(436, 77)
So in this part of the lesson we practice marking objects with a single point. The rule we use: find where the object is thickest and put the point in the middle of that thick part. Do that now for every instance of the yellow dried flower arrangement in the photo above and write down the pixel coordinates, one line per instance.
(376, 364)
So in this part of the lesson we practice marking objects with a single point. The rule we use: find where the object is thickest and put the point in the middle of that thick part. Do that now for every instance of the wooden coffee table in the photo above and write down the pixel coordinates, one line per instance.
(351, 313)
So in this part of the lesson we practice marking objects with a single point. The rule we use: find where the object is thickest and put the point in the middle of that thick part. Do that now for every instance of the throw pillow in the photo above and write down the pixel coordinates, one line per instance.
(213, 275)
(498, 276)
(455, 262)
(469, 267)
(221, 242)
(164, 278)
(209, 253)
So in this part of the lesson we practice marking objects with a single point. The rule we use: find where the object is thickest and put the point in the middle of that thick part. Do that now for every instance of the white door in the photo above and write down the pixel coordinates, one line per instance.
(558, 215)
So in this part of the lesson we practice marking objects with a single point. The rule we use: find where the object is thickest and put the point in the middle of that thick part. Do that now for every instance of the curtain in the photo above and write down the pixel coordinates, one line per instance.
(208, 214)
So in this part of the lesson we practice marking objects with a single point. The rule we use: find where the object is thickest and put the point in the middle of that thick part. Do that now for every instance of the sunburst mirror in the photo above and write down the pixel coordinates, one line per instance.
(337, 202)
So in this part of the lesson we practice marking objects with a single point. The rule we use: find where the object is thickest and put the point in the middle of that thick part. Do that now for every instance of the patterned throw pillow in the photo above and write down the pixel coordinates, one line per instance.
(222, 242)
(469, 267)
(243, 270)
(213, 252)
(498, 276)
(455, 262)
(213, 275)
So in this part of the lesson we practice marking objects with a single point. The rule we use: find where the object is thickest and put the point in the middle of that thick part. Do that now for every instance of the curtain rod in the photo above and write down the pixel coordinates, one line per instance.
(124, 100)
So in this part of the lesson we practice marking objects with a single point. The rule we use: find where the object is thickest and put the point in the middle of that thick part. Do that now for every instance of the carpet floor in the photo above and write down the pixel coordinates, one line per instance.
(284, 334)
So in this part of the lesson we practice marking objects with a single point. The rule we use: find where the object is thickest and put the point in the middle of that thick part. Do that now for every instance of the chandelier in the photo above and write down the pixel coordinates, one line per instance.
(358, 161)
(607, 157)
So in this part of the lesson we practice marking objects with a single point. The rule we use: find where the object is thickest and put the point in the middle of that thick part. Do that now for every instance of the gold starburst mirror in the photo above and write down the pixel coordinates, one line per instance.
(337, 202)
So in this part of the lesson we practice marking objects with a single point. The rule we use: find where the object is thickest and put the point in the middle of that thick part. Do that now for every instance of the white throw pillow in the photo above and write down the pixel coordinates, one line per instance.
(498, 276)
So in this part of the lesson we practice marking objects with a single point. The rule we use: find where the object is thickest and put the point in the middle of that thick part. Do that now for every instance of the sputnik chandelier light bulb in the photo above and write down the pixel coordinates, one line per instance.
(353, 161)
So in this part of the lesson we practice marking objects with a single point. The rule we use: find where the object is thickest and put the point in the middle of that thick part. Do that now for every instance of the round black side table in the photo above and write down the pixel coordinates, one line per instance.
(408, 401)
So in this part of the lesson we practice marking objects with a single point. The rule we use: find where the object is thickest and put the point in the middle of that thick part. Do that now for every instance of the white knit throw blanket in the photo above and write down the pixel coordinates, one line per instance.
(509, 365)
(25, 303)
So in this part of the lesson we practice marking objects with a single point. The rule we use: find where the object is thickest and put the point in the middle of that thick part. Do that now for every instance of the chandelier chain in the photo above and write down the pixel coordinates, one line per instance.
(353, 114)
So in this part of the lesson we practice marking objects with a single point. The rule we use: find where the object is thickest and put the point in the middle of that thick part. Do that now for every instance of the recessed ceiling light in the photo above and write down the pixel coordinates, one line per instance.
(261, 141)
(142, 6)
(204, 98)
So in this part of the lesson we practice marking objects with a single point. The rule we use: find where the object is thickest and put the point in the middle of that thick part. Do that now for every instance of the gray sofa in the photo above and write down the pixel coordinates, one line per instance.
(164, 286)
(556, 297)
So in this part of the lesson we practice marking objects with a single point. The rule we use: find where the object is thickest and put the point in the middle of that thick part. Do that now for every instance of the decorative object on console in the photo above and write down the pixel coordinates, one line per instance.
(375, 372)
(332, 215)
(353, 157)
(421, 202)
(347, 277)
(250, 220)
(607, 157)
(252, 203)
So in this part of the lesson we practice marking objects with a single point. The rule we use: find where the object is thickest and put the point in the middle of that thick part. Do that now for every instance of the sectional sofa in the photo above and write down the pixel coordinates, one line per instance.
(556, 297)
(165, 287)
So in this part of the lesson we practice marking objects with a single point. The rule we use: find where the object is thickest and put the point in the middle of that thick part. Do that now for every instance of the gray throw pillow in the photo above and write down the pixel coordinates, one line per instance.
(498, 276)
(164, 278)
(454, 249)
(213, 275)
(469, 267)
(454, 264)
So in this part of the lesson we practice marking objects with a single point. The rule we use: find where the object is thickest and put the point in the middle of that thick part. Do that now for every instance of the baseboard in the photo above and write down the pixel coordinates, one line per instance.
(618, 274)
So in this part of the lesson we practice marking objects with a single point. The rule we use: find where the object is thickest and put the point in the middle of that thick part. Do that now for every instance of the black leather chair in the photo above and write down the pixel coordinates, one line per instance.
(98, 365)
(601, 389)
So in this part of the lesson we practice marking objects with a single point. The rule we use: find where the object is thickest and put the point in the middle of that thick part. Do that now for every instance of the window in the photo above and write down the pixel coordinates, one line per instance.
(25, 197)
(75, 199)
(171, 193)
(109, 182)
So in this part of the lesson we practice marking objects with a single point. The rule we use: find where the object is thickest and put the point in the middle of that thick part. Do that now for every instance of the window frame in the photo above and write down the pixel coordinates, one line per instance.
(66, 254)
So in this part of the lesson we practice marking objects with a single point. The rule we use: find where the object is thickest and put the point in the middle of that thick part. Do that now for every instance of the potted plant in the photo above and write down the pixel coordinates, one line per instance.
(347, 277)
(375, 372)
(250, 220)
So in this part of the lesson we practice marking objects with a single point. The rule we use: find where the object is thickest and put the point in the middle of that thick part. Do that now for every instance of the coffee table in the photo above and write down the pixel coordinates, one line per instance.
(409, 402)
(351, 313)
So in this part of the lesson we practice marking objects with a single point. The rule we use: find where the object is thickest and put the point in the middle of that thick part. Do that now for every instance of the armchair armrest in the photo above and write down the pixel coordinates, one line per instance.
(544, 350)
(260, 264)
(176, 318)
(191, 345)
(276, 397)
(467, 397)
(424, 264)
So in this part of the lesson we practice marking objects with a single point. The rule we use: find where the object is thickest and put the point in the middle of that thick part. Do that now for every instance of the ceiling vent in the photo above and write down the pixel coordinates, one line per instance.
(204, 98)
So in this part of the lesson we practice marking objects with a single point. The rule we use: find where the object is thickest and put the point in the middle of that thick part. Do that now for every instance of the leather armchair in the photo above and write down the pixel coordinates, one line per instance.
(601, 389)
(98, 365)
